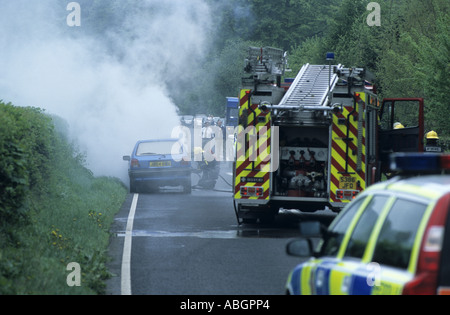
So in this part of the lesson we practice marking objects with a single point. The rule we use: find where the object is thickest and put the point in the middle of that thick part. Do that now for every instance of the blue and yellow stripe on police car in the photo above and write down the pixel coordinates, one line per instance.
(252, 169)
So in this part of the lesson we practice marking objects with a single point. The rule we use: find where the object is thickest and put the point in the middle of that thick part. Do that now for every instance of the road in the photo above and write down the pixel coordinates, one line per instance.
(192, 245)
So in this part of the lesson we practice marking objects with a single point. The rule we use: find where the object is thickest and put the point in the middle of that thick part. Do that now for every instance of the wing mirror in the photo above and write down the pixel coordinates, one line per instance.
(304, 247)
(300, 248)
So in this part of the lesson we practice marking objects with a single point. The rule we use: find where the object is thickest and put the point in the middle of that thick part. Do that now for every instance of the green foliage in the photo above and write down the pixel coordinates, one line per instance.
(53, 211)
(415, 59)
(409, 54)
(219, 77)
(239, 24)
(24, 145)
(286, 23)
(310, 51)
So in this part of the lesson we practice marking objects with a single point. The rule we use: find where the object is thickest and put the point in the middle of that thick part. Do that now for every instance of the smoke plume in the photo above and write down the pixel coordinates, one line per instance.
(111, 77)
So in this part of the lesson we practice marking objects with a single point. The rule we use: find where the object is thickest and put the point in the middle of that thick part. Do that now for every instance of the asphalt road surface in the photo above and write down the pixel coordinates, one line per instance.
(183, 244)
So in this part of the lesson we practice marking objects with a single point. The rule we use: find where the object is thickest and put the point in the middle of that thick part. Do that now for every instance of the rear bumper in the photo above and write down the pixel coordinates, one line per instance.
(248, 209)
(169, 177)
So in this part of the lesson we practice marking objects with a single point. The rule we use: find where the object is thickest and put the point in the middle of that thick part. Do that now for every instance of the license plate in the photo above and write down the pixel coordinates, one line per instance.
(161, 164)
(347, 182)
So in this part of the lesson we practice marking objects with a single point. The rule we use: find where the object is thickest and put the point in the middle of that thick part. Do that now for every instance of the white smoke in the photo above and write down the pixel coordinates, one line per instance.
(112, 87)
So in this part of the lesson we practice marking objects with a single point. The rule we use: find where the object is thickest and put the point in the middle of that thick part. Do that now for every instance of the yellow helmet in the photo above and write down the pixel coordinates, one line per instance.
(398, 125)
(198, 150)
(432, 135)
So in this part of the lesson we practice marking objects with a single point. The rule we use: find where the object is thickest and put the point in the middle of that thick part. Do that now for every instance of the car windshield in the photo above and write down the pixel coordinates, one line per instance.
(158, 148)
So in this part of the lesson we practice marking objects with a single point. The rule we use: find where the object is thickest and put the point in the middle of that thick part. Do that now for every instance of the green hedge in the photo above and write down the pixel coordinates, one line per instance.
(53, 211)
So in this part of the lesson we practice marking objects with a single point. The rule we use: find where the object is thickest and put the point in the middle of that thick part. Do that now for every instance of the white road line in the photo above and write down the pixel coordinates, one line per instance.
(126, 258)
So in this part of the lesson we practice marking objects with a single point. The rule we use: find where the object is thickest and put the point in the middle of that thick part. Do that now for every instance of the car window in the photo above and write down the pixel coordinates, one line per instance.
(364, 227)
(335, 235)
(398, 233)
(156, 148)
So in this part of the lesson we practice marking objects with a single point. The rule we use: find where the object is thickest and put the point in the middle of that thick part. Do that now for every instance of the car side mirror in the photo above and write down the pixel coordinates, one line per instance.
(300, 248)
(126, 158)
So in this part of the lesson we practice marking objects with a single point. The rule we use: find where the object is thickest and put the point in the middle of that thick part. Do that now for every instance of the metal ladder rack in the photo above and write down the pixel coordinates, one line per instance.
(311, 87)
(265, 61)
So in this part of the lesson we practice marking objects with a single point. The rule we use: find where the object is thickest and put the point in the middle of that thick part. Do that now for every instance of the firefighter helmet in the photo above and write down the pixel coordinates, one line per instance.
(198, 150)
(432, 135)
(398, 125)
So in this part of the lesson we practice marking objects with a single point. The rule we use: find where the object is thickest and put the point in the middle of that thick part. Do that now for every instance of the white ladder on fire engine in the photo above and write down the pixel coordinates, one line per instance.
(311, 87)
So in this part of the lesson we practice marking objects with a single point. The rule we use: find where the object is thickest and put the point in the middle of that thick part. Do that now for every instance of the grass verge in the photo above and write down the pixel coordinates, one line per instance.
(53, 211)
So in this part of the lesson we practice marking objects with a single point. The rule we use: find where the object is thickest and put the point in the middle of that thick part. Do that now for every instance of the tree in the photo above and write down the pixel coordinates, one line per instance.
(312, 51)
(415, 58)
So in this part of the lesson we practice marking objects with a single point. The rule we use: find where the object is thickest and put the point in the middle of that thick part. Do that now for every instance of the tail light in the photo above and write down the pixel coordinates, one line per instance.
(425, 281)
(346, 194)
(134, 163)
(248, 191)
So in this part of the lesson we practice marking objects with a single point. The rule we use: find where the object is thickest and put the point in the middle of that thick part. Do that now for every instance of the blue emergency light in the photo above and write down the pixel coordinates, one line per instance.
(420, 162)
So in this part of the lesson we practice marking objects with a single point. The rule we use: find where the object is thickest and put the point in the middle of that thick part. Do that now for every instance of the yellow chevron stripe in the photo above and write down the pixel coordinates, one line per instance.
(352, 157)
(257, 149)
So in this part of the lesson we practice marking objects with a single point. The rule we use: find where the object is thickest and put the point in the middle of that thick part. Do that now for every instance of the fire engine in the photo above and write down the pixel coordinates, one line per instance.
(316, 141)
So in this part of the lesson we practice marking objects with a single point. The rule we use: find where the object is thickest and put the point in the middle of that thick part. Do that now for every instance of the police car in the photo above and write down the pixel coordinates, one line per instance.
(392, 239)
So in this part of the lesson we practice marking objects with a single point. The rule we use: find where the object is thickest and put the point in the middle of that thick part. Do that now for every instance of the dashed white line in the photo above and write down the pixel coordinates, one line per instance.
(126, 257)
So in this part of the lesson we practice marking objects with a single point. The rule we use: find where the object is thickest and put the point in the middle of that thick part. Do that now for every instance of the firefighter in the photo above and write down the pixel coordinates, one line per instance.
(221, 143)
(222, 127)
(209, 170)
(207, 131)
(432, 142)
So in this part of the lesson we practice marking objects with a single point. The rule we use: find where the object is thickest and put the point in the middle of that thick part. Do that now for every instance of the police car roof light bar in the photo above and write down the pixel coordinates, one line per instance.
(419, 162)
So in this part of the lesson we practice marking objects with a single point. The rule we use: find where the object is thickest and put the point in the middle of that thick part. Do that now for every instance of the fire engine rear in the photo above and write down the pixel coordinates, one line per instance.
(307, 143)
